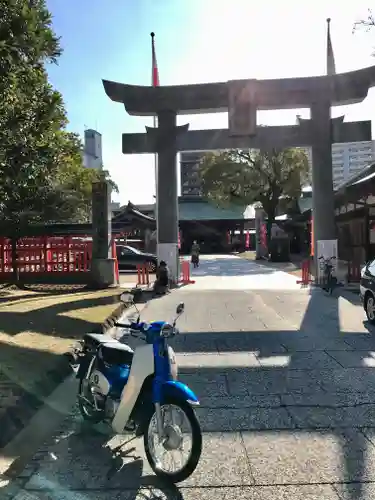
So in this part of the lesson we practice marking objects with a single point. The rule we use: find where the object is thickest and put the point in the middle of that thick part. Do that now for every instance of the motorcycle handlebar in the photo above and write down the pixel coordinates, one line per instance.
(121, 325)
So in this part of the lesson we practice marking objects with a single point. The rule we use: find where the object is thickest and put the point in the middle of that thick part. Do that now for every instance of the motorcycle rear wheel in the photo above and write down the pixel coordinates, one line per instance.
(196, 446)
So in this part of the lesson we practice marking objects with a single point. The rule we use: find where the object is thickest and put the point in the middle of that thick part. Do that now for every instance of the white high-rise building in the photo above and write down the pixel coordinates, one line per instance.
(92, 154)
(348, 159)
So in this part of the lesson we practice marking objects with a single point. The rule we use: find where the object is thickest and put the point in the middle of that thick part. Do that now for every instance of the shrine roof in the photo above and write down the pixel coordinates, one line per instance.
(357, 187)
(202, 210)
(340, 89)
(129, 212)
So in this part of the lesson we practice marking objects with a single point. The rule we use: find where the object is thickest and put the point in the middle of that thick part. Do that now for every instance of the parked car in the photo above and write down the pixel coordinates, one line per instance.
(367, 290)
(130, 257)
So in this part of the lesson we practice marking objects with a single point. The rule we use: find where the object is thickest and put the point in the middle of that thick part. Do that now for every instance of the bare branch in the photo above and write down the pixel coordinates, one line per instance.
(367, 23)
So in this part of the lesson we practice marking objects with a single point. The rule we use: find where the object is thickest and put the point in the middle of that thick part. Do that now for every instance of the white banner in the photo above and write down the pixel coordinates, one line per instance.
(326, 252)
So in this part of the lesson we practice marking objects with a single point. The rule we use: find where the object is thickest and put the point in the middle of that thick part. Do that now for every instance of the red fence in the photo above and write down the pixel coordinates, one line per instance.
(46, 255)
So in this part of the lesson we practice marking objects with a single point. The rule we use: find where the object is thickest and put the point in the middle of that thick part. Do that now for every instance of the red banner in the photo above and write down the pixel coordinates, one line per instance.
(263, 235)
(247, 240)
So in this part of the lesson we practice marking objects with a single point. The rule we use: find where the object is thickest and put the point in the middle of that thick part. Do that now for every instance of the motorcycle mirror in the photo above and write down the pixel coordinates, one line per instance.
(180, 308)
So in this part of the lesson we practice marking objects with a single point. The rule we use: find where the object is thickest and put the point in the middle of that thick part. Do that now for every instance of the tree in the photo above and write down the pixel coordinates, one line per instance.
(74, 180)
(368, 23)
(31, 114)
(37, 155)
(247, 177)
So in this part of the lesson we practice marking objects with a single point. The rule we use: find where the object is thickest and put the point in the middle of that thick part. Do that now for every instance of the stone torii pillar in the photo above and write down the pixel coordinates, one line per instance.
(322, 175)
(164, 139)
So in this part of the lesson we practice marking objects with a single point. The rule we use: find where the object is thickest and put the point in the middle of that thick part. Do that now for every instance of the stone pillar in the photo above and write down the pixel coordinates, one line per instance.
(322, 181)
(167, 200)
(103, 265)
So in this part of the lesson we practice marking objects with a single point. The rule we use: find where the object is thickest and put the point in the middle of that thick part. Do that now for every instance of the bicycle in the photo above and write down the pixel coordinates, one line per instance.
(330, 281)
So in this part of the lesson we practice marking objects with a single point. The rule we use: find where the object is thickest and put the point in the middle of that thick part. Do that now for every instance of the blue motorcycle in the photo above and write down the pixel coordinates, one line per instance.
(138, 391)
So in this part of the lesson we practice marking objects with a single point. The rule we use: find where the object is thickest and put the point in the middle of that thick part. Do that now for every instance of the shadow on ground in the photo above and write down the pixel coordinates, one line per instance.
(94, 466)
(296, 387)
(54, 319)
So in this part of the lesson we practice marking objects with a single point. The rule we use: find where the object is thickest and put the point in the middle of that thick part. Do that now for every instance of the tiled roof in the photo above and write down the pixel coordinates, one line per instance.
(203, 210)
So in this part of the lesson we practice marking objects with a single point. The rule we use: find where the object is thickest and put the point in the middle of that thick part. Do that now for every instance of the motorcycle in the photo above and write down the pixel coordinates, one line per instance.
(329, 280)
(138, 391)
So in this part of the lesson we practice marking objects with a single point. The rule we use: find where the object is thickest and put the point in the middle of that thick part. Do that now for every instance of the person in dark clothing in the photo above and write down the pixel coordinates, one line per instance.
(195, 249)
(161, 284)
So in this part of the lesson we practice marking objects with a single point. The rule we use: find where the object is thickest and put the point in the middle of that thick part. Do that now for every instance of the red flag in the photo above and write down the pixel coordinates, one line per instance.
(155, 71)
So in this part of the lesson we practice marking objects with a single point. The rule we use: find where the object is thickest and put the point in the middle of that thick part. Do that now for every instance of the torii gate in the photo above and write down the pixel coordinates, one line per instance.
(242, 99)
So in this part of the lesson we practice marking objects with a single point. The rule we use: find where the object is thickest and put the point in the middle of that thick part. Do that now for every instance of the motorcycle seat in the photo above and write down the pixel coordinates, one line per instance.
(115, 353)
(93, 340)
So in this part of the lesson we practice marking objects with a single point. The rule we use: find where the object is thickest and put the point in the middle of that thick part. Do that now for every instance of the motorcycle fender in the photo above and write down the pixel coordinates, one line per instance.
(83, 366)
(178, 390)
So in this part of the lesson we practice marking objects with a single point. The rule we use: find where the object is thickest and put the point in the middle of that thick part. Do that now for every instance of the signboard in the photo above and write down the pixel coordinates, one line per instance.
(242, 109)
(101, 221)
(326, 251)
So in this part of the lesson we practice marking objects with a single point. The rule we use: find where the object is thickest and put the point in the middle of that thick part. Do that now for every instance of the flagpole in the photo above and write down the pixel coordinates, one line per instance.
(155, 83)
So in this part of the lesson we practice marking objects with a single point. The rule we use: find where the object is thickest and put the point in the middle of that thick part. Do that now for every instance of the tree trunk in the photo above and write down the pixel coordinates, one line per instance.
(270, 206)
(271, 214)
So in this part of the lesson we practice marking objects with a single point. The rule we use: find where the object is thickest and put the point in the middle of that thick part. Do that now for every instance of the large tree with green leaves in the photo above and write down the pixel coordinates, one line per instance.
(31, 115)
(246, 177)
(42, 178)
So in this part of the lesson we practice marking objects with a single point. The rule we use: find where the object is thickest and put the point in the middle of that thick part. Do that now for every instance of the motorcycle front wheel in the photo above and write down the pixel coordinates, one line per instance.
(164, 454)
(86, 404)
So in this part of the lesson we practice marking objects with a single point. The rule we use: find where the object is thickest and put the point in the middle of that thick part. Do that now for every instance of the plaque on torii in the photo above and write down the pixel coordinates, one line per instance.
(242, 99)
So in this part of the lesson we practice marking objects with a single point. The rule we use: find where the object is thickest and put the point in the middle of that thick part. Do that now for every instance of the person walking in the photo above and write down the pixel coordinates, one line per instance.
(195, 254)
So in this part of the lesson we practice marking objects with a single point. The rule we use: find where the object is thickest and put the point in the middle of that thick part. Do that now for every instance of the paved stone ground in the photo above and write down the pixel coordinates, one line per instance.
(286, 379)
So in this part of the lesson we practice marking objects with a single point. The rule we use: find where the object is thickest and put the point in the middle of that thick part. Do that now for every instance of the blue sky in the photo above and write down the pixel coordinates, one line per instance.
(196, 41)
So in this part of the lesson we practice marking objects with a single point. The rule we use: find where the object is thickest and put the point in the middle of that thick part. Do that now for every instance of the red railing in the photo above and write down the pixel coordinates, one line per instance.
(47, 255)
(305, 273)
(143, 275)
(185, 278)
